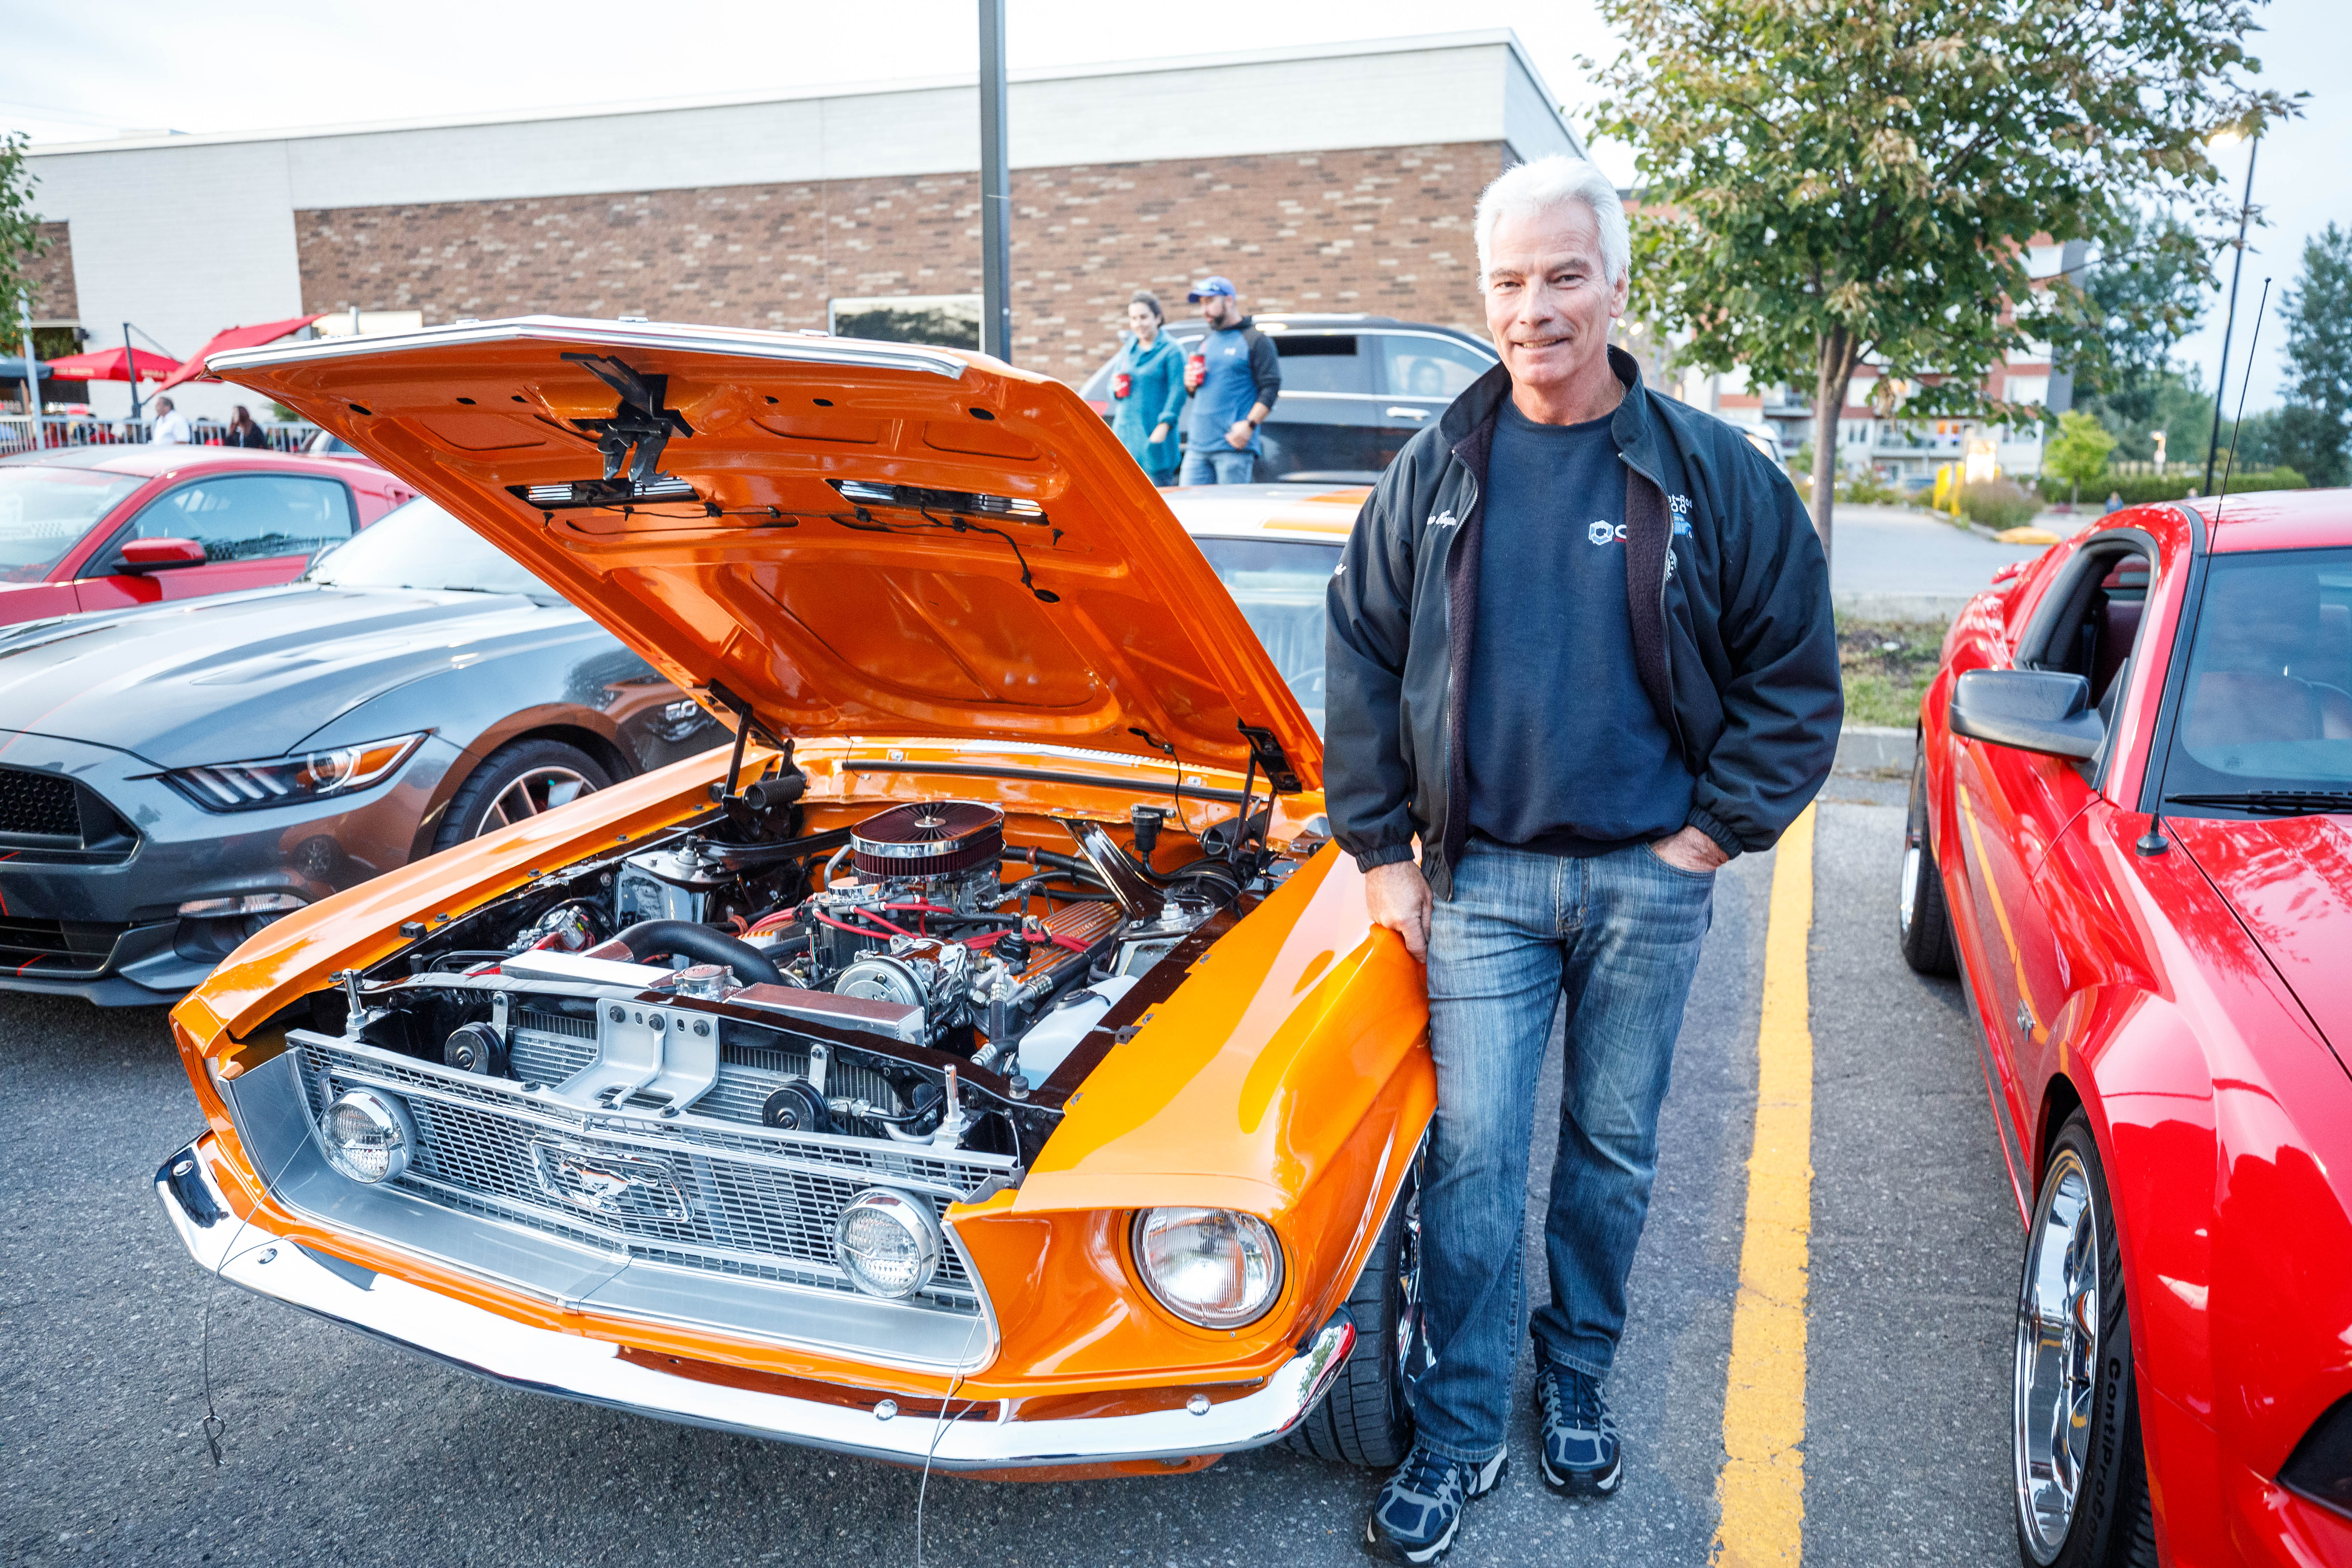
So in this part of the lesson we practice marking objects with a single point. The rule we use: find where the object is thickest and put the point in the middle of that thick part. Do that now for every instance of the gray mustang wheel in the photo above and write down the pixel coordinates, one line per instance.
(2081, 1483)
(518, 781)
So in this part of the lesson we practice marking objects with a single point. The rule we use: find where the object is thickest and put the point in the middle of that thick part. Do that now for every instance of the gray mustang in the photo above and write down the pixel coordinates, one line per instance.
(175, 777)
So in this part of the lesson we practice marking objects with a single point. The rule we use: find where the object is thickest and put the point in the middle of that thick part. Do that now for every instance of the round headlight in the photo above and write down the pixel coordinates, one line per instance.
(888, 1243)
(1211, 1267)
(368, 1135)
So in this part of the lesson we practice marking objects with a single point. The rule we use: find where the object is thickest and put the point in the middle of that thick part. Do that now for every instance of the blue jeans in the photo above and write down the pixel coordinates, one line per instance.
(1618, 936)
(1217, 465)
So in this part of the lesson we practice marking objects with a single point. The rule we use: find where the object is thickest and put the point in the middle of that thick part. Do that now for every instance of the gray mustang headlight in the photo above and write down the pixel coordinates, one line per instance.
(1215, 1268)
(293, 780)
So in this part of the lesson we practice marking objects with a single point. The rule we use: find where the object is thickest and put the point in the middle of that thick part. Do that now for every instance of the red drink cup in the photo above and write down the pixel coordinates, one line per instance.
(1196, 371)
(1122, 384)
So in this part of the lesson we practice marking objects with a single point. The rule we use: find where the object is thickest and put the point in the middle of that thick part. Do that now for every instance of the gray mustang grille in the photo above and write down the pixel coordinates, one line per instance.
(687, 1194)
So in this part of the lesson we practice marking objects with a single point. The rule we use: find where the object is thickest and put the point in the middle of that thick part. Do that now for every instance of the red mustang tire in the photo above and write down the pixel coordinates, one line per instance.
(1922, 922)
(1363, 1420)
(2081, 1474)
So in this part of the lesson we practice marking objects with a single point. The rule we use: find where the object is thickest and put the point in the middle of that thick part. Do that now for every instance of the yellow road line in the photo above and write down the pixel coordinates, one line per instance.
(1761, 1488)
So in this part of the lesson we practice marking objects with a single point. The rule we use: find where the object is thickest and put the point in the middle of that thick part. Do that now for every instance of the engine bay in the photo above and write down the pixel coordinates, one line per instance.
(915, 977)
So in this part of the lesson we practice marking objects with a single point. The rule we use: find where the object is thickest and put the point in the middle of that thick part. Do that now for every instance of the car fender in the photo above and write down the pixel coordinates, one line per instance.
(1288, 1077)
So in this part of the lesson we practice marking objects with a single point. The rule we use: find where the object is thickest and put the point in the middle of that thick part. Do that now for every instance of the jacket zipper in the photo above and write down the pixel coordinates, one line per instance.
(1445, 589)
(1666, 622)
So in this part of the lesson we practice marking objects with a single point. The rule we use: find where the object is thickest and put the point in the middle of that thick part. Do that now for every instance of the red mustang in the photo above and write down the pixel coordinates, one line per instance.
(2131, 834)
(107, 527)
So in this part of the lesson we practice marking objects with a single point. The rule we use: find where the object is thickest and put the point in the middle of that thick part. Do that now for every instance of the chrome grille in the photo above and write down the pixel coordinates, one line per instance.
(548, 1047)
(756, 1204)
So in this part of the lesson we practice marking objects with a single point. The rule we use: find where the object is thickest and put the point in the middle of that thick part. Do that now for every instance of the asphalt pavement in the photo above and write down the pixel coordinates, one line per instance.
(340, 1448)
(1897, 563)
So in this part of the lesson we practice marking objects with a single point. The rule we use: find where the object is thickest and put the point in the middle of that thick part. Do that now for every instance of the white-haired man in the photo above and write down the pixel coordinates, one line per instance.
(1581, 651)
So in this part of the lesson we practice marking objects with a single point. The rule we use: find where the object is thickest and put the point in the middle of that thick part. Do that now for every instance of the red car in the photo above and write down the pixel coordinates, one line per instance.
(2131, 835)
(104, 528)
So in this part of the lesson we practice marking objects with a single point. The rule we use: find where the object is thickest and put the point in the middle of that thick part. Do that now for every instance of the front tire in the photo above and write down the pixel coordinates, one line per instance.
(2081, 1474)
(517, 781)
(1363, 1419)
(1924, 922)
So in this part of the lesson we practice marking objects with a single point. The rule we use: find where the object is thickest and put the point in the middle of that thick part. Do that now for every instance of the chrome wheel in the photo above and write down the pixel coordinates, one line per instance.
(2057, 1355)
(541, 789)
(1408, 1290)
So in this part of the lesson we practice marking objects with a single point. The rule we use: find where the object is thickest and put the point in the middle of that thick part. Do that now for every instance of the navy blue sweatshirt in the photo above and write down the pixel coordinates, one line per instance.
(1564, 750)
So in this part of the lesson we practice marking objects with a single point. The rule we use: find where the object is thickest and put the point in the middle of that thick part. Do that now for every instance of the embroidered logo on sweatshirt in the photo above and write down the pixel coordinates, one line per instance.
(1680, 506)
(1444, 519)
(1602, 531)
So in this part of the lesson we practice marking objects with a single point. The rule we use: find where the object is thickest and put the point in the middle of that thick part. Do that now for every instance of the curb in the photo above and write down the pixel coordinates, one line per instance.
(1868, 747)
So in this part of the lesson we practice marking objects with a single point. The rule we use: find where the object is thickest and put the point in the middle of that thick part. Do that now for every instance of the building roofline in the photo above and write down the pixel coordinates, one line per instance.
(1416, 43)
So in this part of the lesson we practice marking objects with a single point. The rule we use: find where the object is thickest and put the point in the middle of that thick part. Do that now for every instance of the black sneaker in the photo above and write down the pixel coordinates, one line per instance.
(1580, 1455)
(1420, 1507)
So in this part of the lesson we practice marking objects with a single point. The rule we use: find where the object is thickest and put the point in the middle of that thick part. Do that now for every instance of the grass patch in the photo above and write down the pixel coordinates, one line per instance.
(1886, 666)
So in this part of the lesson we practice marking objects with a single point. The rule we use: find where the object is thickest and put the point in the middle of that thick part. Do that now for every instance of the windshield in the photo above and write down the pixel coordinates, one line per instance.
(44, 513)
(420, 546)
(1279, 584)
(2267, 704)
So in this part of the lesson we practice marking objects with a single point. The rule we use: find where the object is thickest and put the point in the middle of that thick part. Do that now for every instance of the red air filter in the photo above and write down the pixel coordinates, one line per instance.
(927, 839)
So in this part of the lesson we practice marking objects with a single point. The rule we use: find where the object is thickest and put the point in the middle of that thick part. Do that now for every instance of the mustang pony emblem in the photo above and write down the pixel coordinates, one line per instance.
(620, 1186)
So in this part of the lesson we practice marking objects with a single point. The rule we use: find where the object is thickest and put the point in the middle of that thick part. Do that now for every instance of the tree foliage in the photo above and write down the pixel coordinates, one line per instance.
(2144, 292)
(21, 242)
(2318, 418)
(1830, 181)
(2078, 452)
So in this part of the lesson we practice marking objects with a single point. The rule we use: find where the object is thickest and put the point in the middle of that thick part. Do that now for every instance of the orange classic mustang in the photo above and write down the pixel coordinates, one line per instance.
(985, 1063)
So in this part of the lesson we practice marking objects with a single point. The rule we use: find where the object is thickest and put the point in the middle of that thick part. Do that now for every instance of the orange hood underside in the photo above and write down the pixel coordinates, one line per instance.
(829, 612)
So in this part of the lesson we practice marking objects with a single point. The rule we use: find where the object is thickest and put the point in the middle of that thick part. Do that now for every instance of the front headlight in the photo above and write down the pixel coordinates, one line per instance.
(292, 781)
(1211, 1267)
(368, 1135)
(888, 1243)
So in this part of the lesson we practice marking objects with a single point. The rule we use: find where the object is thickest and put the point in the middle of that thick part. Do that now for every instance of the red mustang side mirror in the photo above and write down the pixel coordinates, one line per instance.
(160, 554)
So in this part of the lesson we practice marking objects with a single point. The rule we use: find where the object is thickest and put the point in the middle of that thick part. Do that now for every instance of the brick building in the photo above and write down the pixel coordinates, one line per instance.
(1338, 178)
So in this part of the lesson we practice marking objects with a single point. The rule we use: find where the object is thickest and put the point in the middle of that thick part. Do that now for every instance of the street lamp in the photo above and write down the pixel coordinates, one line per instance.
(2221, 141)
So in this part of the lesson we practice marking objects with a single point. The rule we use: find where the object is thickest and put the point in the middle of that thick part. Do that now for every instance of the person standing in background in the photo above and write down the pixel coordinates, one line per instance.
(1147, 389)
(243, 432)
(171, 425)
(1233, 379)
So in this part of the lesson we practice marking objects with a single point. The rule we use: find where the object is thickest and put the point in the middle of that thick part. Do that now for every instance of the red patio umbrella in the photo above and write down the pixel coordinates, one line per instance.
(234, 338)
(113, 364)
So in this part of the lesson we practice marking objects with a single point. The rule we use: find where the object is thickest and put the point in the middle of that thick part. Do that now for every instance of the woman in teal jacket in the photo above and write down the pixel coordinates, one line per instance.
(1147, 389)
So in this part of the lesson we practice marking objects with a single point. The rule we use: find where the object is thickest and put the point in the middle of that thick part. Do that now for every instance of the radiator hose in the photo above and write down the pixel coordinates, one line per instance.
(684, 938)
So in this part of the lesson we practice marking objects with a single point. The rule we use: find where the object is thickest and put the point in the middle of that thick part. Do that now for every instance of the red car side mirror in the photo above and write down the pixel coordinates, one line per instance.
(160, 554)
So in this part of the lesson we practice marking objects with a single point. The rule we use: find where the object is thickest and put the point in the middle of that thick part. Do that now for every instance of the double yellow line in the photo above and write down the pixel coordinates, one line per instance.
(1761, 1487)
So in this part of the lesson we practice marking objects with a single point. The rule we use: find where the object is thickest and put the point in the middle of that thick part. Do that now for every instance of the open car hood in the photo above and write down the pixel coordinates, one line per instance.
(853, 537)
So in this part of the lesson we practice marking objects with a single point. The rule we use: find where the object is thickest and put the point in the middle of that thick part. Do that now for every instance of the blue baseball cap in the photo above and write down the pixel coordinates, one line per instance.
(1209, 288)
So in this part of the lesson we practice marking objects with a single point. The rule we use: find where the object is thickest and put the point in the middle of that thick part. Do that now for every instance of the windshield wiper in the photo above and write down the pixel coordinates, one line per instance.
(2272, 802)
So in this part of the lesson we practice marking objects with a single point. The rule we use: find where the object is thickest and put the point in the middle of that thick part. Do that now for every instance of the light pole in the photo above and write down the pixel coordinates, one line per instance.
(995, 191)
(2245, 211)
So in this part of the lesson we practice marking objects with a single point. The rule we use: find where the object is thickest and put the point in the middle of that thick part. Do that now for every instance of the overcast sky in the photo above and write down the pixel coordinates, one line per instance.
(75, 73)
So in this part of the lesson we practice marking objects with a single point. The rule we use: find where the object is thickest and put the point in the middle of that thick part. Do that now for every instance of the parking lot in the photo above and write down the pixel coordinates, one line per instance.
(337, 1449)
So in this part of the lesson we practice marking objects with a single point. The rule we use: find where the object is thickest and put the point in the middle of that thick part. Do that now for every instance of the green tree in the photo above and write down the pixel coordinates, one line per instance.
(2145, 291)
(21, 242)
(2078, 453)
(1824, 185)
(2318, 311)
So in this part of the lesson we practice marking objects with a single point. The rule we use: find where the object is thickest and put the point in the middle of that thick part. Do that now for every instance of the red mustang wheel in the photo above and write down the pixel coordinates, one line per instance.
(2081, 1478)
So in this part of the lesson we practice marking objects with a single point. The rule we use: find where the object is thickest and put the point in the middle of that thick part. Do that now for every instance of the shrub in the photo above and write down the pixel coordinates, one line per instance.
(1868, 489)
(2138, 490)
(1998, 503)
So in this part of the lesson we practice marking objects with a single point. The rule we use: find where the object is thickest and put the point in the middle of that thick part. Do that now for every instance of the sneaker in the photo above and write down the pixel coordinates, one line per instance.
(1580, 1456)
(1420, 1507)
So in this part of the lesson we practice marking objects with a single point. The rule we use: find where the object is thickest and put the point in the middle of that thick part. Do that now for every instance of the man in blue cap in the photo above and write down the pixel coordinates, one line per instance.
(1234, 376)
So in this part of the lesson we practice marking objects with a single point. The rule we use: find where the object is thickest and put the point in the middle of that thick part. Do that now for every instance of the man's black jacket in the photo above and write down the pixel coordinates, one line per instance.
(1733, 638)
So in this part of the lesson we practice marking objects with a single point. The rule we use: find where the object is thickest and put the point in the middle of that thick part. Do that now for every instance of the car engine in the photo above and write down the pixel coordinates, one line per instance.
(911, 979)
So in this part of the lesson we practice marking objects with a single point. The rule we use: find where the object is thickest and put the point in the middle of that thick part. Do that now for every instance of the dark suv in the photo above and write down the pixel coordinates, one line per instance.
(1354, 389)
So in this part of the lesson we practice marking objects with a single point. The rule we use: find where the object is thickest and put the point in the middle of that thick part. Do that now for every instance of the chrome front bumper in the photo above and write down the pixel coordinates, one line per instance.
(592, 1371)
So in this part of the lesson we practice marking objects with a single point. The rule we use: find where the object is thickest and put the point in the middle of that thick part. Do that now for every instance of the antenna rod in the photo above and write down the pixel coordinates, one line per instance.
(2253, 342)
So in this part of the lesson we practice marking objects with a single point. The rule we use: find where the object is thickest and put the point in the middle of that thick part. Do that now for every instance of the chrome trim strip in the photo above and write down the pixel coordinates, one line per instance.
(589, 1371)
(854, 353)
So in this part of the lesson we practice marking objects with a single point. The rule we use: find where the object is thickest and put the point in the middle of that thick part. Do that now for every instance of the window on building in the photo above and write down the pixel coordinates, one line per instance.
(945, 320)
